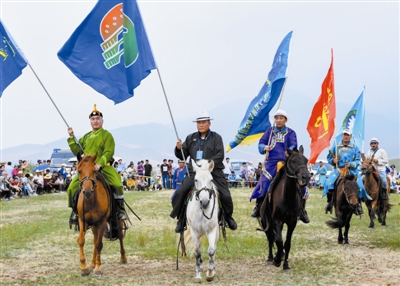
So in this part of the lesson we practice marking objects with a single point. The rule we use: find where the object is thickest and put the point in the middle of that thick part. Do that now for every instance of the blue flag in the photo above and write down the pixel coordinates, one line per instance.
(354, 121)
(110, 51)
(256, 118)
(12, 61)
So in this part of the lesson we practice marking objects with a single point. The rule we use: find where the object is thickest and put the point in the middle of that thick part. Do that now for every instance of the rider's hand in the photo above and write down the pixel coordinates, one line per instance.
(179, 144)
(267, 148)
(97, 167)
(376, 160)
(347, 165)
(70, 132)
(335, 160)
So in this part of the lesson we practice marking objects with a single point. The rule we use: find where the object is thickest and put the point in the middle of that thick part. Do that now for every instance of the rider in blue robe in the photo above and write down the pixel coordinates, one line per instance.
(282, 138)
(340, 155)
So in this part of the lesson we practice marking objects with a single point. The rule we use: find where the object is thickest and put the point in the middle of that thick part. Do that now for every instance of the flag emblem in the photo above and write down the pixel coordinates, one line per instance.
(118, 32)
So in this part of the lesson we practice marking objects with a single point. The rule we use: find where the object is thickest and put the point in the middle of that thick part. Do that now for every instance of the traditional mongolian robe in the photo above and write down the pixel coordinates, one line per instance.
(322, 175)
(346, 154)
(102, 143)
(279, 140)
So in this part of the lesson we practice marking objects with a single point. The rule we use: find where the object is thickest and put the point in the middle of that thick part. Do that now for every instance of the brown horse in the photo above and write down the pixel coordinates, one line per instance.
(94, 211)
(284, 206)
(371, 184)
(345, 202)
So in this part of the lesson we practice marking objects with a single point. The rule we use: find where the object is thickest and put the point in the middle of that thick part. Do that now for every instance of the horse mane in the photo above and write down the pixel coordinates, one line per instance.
(349, 177)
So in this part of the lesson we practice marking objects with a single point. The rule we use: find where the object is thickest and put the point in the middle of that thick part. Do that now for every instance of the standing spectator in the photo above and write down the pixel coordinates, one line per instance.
(140, 169)
(251, 174)
(170, 172)
(147, 172)
(228, 167)
(164, 173)
(63, 171)
(321, 171)
(244, 174)
(8, 168)
(392, 180)
(158, 171)
(179, 175)
(258, 171)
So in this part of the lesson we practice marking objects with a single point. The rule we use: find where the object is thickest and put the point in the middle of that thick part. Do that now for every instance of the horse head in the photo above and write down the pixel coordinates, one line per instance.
(367, 166)
(350, 190)
(87, 178)
(203, 181)
(296, 166)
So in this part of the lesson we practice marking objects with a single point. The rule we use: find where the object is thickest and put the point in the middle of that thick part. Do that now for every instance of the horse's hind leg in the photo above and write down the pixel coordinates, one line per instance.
(98, 232)
(121, 229)
(212, 248)
(270, 236)
(288, 242)
(279, 243)
(92, 264)
(81, 242)
(371, 218)
(346, 230)
(340, 236)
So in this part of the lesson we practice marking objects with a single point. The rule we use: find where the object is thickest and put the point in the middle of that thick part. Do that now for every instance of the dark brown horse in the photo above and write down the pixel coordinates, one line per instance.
(345, 202)
(94, 211)
(377, 205)
(284, 205)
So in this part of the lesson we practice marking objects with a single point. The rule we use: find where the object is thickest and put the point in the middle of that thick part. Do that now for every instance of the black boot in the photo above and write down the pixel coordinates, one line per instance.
(231, 223)
(73, 218)
(328, 207)
(181, 224)
(303, 213)
(256, 211)
(383, 193)
(121, 213)
(358, 210)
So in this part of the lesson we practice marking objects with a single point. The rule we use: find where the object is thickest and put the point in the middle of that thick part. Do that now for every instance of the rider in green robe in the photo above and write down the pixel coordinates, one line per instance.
(98, 141)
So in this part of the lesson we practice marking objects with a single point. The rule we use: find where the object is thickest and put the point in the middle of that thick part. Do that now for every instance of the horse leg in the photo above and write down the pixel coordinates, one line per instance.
(197, 254)
(372, 215)
(212, 249)
(92, 264)
(288, 240)
(340, 236)
(81, 242)
(279, 243)
(270, 236)
(99, 246)
(121, 226)
(346, 228)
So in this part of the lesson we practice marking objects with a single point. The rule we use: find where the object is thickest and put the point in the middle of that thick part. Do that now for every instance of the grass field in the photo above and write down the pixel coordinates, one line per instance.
(38, 248)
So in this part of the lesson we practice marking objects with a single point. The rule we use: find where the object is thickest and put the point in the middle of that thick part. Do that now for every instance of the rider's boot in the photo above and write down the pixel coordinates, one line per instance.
(328, 207)
(303, 213)
(231, 223)
(180, 225)
(358, 210)
(256, 211)
(121, 213)
(73, 217)
(383, 192)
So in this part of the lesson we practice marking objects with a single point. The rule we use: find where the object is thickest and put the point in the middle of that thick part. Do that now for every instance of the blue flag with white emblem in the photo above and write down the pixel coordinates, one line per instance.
(256, 118)
(109, 50)
(355, 122)
(12, 61)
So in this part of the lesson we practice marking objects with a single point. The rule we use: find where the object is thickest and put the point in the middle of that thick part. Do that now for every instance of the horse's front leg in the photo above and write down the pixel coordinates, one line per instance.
(197, 254)
(92, 264)
(279, 243)
(340, 236)
(81, 242)
(121, 229)
(98, 232)
(288, 241)
(346, 228)
(270, 236)
(212, 249)
(371, 217)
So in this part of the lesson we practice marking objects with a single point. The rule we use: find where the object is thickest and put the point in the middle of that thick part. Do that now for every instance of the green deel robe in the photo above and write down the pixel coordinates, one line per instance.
(102, 143)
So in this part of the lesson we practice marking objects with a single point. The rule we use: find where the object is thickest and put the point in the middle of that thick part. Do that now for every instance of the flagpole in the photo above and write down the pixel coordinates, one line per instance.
(77, 142)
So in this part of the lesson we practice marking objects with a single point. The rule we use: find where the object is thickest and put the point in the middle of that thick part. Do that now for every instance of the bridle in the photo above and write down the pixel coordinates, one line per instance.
(87, 178)
(292, 173)
(368, 169)
(211, 193)
(344, 191)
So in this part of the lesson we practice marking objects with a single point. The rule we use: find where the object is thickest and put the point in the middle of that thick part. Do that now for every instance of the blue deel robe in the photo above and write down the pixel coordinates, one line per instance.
(322, 175)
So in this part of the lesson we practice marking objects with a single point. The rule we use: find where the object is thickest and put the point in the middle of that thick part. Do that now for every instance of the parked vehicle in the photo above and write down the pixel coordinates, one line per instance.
(61, 156)
(237, 164)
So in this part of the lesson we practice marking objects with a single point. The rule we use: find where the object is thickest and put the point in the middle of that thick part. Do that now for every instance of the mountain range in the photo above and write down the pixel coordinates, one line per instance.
(155, 141)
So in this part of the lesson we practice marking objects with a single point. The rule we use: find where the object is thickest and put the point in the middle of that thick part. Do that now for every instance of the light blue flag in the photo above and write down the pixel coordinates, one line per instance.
(256, 118)
(12, 60)
(110, 51)
(355, 122)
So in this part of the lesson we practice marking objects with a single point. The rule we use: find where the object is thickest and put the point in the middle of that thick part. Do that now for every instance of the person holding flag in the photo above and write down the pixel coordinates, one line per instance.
(344, 154)
(100, 142)
(275, 141)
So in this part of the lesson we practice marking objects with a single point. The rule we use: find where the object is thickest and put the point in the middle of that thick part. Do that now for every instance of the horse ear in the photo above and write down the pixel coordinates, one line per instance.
(194, 165)
(79, 156)
(301, 150)
(288, 150)
(211, 165)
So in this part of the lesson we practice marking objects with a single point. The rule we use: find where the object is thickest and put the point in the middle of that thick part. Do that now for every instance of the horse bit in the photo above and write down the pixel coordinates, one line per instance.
(87, 178)
(210, 192)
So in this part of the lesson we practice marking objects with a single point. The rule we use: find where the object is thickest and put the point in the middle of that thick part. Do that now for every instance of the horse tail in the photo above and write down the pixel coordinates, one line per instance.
(335, 223)
(189, 242)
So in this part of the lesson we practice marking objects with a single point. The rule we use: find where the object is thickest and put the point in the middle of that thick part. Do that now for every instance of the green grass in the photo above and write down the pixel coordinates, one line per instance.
(36, 227)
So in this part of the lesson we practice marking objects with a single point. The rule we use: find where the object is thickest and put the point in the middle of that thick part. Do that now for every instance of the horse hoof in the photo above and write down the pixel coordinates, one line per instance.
(97, 273)
(210, 275)
(85, 272)
(340, 242)
(287, 269)
(370, 228)
(276, 264)
(269, 262)
(123, 261)
(197, 280)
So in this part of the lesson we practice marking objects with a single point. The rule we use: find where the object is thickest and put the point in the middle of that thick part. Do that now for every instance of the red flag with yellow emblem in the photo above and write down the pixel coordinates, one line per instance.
(321, 125)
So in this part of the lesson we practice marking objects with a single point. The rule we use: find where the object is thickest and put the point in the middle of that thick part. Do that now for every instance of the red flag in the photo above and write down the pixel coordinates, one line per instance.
(321, 125)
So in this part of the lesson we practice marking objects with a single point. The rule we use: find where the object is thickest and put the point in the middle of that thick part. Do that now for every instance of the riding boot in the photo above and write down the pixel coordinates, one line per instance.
(328, 207)
(256, 211)
(181, 224)
(73, 219)
(303, 213)
(231, 223)
(121, 213)
(383, 192)
(358, 210)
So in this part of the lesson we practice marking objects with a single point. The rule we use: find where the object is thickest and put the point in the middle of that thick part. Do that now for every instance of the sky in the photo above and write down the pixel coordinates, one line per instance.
(208, 53)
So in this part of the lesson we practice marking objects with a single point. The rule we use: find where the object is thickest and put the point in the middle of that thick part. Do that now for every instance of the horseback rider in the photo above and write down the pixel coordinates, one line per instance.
(380, 160)
(203, 144)
(341, 155)
(282, 137)
(98, 141)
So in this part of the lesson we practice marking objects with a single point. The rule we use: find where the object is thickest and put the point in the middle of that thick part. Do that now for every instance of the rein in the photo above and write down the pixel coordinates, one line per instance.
(211, 192)
(292, 173)
(87, 178)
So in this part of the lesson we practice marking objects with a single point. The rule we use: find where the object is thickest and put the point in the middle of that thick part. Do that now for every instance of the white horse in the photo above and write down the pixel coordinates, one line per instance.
(202, 216)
